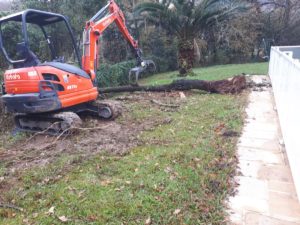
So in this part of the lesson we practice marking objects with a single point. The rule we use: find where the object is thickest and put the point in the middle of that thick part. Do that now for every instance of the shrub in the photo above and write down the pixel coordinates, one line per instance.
(114, 75)
(162, 65)
(161, 48)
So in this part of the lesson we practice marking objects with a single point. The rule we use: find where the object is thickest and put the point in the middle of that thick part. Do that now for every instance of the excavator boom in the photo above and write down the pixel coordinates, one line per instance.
(111, 13)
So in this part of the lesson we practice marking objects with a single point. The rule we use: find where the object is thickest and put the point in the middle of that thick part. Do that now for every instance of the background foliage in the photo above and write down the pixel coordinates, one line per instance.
(234, 41)
(110, 75)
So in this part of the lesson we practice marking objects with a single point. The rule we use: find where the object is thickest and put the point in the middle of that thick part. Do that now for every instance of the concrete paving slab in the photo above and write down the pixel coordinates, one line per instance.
(282, 187)
(252, 187)
(262, 119)
(264, 144)
(266, 193)
(236, 218)
(252, 218)
(275, 173)
(284, 207)
(252, 154)
(252, 133)
(265, 127)
(260, 111)
(241, 204)
(250, 168)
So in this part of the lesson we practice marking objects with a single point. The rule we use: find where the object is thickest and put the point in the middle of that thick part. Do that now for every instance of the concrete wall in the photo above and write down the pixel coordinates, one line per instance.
(284, 70)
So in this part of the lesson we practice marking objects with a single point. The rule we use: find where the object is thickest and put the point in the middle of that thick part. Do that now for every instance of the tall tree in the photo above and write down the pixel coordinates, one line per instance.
(186, 19)
(281, 21)
(238, 38)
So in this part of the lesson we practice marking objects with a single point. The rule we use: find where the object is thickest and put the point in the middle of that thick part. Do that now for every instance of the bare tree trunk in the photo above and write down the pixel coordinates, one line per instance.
(185, 56)
(197, 53)
(230, 86)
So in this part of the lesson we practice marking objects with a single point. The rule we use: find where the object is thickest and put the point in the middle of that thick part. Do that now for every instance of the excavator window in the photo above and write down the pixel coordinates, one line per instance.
(50, 76)
(57, 39)
(38, 42)
(12, 37)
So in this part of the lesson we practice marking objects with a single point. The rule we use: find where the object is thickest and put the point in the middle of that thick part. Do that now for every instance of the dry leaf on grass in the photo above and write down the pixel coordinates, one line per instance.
(148, 221)
(176, 212)
(182, 95)
(63, 219)
(197, 159)
(51, 211)
(105, 183)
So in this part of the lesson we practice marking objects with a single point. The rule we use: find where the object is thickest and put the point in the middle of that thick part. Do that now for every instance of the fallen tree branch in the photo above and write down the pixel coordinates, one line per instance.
(8, 206)
(92, 128)
(41, 132)
(231, 86)
(79, 128)
(163, 104)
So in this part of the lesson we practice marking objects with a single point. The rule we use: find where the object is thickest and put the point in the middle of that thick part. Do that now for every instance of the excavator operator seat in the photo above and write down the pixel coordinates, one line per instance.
(25, 53)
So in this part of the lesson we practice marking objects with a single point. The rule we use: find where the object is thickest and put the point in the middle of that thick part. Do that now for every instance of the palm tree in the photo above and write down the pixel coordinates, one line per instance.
(187, 19)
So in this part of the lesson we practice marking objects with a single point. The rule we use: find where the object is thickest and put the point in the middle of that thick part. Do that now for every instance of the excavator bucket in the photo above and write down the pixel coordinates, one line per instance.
(147, 66)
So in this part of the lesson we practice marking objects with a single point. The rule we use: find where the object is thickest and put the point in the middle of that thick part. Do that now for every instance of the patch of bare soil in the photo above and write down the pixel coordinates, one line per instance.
(6, 120)
(115, 137)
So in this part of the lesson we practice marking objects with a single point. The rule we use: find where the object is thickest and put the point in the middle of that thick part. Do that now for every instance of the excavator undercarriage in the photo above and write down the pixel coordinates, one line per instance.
(47, 123)
(61, 122)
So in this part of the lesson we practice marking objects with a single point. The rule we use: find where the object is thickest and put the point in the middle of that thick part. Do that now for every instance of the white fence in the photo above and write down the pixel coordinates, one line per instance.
(284, 70)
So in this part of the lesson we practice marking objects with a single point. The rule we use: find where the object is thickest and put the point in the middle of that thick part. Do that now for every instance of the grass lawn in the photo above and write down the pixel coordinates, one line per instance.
(180, 173)
(212, 73)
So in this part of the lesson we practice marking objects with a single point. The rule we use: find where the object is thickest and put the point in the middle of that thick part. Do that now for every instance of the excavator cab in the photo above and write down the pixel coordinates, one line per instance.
(26, 38)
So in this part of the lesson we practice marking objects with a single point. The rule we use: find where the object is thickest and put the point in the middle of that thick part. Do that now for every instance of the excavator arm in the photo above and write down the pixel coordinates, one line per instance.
(95, 27)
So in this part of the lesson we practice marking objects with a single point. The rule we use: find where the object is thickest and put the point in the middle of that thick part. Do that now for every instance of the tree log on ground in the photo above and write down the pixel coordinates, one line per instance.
(230, 86)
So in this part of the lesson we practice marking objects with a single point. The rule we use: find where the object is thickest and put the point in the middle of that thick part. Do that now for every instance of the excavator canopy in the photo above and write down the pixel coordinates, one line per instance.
(34, 16)
(19, 30)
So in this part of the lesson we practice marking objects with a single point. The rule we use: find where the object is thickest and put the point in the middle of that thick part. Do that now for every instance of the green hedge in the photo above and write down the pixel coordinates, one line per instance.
(114, 75)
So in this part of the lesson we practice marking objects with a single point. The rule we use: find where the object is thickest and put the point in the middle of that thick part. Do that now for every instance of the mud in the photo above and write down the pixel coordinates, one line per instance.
(6, 120)
(113, 137)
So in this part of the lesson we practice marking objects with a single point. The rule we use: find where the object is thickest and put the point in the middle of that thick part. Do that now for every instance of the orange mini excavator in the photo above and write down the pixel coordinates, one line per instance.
(45, 94)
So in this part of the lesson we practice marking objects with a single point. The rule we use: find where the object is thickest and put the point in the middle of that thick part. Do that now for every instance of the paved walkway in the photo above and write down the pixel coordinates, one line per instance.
(266, 194)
